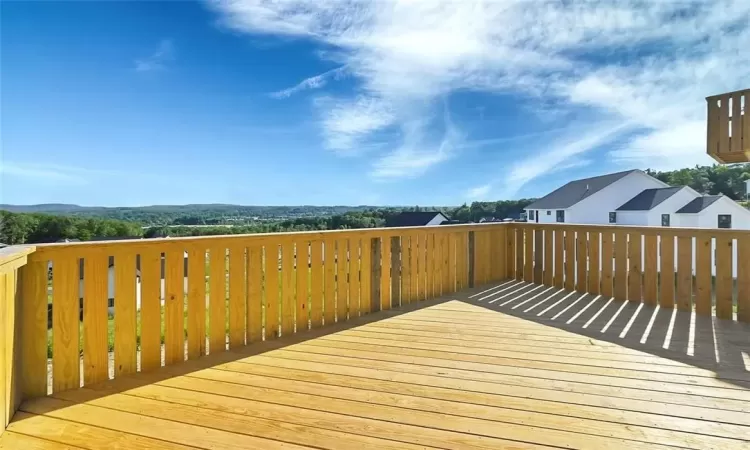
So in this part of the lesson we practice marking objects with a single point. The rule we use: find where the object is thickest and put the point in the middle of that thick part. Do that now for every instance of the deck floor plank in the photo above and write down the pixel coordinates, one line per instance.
(509, 365)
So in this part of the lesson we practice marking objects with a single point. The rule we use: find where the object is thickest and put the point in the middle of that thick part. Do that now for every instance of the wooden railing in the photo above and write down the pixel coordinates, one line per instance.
(706, 270)
(728, 130)
(94, 311)
(11, 260)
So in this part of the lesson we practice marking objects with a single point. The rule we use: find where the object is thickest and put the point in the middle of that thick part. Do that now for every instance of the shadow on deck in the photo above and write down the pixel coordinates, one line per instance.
(509, 365)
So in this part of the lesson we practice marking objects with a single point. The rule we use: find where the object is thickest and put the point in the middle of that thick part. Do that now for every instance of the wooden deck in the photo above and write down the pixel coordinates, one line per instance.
(515, 365)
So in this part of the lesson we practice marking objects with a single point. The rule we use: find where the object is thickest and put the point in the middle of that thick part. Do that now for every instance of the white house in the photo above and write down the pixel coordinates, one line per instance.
(636, 198)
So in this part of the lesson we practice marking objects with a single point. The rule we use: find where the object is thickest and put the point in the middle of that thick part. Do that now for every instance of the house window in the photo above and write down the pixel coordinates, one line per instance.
(560, 216)
(531, 214)
(665, 220)
(613, 217)
(725, 221)
(549, 213)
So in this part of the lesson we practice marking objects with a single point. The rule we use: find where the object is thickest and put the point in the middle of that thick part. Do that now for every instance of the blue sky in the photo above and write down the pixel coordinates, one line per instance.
(430, 103)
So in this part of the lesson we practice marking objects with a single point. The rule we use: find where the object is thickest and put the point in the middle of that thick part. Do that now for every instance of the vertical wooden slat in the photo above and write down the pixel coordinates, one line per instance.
(438, 266)
(634, 263)
(413, 268)
(570, 259)
(520, 253)
(684, 273)
(538, 256)
(510, 252)
(316, 283)
(650, 270)
(150, 310)
(581, 261)
(34, 329)
(354, 280)
(237, 296)
(365, 274)
(395, 271)
(451, 262)
(174, 306)
(703, 270)
(723, 277)
(329, 289)
(549, 271)
(271, 290)
(302, 278)
(621, 265)
(430, 265)
(471, 259)
(713, 126)
(95, 352)
(65, 307)
(528, 266)
(460, 260)
(594, 270)
(444, 263)
(217, 286)
(724, 124)
(342, 286)
(666, 271)
(559, 255)
(375, 272)
(385, 273)
(254, 293)
(736, 124)
(607, 258)
(288, 299)
(406, 269)
(196, 310)
(743, 254)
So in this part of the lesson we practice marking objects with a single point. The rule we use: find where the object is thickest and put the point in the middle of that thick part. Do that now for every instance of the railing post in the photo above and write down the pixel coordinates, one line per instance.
(472, 268)
(396, 271)
(375, 274)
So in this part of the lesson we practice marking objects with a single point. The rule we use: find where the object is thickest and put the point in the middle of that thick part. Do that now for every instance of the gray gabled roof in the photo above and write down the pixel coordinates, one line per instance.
(699, 204)
(577, 190)
(648, 199)
(411, 218)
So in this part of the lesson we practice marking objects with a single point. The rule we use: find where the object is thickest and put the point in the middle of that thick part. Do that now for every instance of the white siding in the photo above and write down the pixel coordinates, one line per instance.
(709, 217)
(596, 209)
(632, 217)
(437, 220)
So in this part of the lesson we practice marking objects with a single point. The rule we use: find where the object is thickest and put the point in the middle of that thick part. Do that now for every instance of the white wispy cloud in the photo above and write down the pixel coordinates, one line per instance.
(314, 82)
(44, 173)
(158, 60)
(479, 193)
(645, 64)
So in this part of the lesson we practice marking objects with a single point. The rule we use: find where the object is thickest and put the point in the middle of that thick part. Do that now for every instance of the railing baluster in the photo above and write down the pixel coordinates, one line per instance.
(354, 280)
(570, 259)
(413, 268)
(538, 256)
(593, 258)
(342, 285)
(385, 273)
(365, 274)
(581, 261)
(724, 279)
(396, 271)
(288, 299)
(520, 253)
(150, 310)
(34, 329)
(65, 314)
(254, 294)
(607, 262)
(217, 300)
(174, 306)
(302, 274)
(271, 290)
(196, 308)
(237, 296)
(95, 351)
(621, 265)
(650, 270)
(329, 290)
(510, 253)
(743, 254)
(528, 266)
(635, 274)
(703, 269)
(684, 273)
(559, 255)
(548, 260)
(666, 277)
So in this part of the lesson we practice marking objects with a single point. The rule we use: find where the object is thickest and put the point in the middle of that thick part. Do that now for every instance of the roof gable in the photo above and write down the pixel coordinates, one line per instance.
(412, 218)
(575, 191)
(698, 204)
(649, 199)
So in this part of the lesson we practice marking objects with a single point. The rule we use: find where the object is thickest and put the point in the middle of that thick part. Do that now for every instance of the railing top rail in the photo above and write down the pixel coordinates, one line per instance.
(717, 96)
(14, 256)
(256, 238)
(676, 231)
